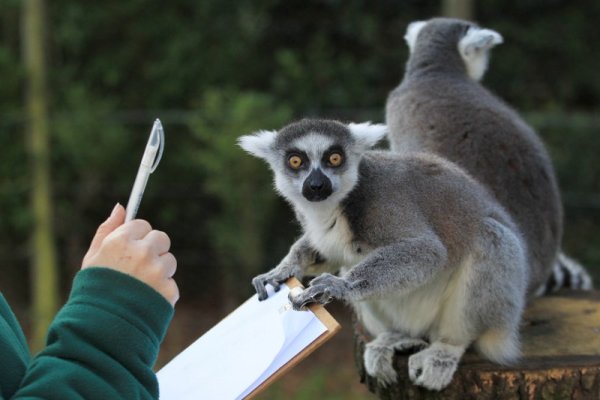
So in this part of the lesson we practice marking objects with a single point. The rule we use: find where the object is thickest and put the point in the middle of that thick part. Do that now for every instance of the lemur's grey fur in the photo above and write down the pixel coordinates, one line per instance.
(440, 107)
(427, 257)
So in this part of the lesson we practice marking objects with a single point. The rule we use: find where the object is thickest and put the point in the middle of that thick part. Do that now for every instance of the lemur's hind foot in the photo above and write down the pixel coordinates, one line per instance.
(379, 354)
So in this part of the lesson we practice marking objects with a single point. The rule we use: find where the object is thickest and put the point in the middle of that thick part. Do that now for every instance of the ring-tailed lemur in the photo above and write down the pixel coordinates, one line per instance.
(441, 107)
(427, 257)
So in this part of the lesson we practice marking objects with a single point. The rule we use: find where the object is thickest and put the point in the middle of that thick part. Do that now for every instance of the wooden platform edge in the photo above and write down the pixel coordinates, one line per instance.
(567, 376)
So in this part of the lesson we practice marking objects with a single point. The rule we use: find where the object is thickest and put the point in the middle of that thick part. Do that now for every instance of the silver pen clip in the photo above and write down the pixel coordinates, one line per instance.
(157, 133)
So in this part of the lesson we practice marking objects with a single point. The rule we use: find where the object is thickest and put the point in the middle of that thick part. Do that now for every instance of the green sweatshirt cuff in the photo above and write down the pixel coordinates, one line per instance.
(125, 296)
(103, 342)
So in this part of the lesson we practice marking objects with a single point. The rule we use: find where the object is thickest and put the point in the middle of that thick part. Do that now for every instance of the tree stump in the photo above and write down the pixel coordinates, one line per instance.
(561, 358)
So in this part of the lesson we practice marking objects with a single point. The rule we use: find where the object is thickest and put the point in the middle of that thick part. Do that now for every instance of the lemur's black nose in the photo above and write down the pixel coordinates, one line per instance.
(316, 180)
(317, 186)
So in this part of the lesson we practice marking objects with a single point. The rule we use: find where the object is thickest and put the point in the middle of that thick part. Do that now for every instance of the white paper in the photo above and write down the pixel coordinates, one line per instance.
(313, 330)
(241, 351)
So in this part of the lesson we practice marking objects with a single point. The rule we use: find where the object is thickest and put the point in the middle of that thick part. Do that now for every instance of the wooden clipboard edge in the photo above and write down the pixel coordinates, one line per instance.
(326, 319)
(321, 313)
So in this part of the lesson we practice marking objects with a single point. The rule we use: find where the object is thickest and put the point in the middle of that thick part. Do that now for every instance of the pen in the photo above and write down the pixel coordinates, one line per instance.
(150, 161)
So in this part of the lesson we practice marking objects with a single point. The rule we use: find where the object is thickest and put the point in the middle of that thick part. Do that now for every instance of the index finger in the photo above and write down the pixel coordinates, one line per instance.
(115, 220)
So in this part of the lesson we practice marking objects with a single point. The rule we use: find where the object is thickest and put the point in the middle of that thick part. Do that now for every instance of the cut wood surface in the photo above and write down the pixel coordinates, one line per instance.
(561, 358)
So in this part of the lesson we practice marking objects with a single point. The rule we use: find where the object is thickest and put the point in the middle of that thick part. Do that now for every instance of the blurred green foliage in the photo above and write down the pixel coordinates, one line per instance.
(215, 70)
(241, 226)
(575, 148)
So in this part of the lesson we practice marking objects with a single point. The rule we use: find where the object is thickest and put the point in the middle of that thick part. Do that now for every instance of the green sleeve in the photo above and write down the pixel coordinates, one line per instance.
(103, 342)
(14, 353)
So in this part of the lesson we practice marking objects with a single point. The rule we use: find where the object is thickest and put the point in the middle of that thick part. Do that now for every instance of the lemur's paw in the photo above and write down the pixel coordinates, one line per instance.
(260, 282)
(321, 290)
(379, 363)
(432, 368)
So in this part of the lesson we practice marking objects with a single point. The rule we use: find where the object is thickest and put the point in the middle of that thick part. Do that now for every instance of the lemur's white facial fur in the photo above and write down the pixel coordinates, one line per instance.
(317, 178)
(311, 165)
(474, 49)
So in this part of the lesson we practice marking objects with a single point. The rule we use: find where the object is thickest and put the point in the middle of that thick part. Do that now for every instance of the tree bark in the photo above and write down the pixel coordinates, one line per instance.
(462, 9)
(561, 358)
(43, 266)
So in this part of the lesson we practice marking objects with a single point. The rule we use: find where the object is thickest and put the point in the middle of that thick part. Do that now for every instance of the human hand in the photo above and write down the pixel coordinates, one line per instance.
(134, 248)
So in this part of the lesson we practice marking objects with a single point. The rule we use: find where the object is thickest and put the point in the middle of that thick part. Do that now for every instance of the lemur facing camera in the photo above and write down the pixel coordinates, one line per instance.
(441, 107)
(427, 257)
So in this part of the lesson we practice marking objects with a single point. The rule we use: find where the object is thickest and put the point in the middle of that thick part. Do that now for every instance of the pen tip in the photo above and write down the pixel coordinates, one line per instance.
(157, 132)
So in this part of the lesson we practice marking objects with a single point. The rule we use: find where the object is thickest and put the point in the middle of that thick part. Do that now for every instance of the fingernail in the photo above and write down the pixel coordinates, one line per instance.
(114, 211)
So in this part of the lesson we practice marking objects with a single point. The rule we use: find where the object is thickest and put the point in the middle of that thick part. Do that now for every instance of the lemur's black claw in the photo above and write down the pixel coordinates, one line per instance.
(276, 285)
(262, 295)
(259, 286)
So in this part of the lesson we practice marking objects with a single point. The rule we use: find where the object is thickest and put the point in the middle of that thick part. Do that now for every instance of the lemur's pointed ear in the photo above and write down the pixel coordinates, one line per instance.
(258, 144)
(366, 134)
(412, 31)
(474, 48)
(478, 40)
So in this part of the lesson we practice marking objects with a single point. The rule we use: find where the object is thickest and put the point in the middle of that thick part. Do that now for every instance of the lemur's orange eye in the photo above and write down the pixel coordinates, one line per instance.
(295, 162)
(335, 159)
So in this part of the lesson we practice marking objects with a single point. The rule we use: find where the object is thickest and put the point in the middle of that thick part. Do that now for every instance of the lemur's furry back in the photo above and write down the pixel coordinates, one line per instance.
(441, 107)
(427, 257)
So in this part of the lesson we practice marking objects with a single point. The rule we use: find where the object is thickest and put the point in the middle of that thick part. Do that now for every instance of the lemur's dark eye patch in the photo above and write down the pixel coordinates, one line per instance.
(296, 160)
(334, 157)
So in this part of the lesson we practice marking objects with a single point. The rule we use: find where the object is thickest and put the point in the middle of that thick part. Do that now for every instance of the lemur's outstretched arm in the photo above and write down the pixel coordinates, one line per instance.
(398, 267)
(299, 258)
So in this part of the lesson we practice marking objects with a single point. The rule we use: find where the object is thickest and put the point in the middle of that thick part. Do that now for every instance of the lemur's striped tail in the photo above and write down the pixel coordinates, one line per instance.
(566, 273)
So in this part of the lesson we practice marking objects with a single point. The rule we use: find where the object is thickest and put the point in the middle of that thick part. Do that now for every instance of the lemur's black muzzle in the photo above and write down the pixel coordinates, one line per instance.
(317, 186)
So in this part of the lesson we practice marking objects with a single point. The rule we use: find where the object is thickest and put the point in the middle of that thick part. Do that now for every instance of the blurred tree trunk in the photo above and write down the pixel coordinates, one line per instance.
(43, 266)
(463, 9)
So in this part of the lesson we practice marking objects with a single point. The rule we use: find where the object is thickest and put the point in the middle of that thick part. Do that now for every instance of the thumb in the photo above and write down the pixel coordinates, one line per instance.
(116, 219)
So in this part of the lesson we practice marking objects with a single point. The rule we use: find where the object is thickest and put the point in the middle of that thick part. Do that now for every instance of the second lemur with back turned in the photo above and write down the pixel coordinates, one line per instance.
(427, 257)
(441, 107)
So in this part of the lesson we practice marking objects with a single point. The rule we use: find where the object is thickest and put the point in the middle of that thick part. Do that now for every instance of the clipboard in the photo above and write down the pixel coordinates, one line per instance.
(326, 319)
(247, 350)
